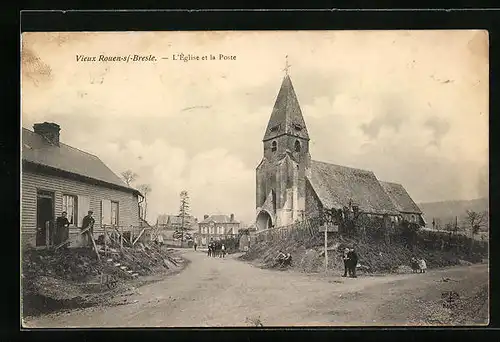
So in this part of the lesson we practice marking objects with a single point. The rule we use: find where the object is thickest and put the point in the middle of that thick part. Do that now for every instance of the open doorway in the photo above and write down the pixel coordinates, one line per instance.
(44, 217)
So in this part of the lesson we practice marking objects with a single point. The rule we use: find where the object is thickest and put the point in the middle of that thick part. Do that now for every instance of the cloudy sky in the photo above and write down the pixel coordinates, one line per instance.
(412, 106)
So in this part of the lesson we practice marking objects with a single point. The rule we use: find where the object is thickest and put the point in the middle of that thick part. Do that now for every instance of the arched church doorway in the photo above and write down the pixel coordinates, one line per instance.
(264, 220)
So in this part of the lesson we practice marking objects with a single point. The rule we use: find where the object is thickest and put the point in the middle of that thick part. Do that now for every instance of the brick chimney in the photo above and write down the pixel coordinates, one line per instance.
(232, 217)
(48, 130)
(205, 216)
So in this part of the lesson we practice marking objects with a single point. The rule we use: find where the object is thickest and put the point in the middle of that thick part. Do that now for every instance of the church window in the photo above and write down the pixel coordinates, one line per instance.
(297, 126)
(274, 146)
(297, 146)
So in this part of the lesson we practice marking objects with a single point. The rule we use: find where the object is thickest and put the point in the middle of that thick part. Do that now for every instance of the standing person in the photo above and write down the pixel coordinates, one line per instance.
(159, 239)
(62, 229)
(223, 250)
(195, 245)
(88, 223)
(353, 262)
(345, 258)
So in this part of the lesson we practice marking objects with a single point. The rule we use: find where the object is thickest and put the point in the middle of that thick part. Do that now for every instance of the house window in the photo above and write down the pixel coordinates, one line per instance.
(211, 230)
(69, 206)
(297, 146)
(114, 213)
(274, 146)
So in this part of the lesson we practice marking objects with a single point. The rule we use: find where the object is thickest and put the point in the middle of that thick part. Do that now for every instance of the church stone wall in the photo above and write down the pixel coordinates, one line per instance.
(313, 206)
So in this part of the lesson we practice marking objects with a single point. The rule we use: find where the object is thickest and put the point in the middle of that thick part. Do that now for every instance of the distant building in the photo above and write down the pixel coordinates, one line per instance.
(174, 222)
(216, 227)
(57, 177)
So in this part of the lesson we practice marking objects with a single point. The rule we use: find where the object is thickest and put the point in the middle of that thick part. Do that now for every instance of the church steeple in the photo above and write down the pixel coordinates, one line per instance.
(286, 117)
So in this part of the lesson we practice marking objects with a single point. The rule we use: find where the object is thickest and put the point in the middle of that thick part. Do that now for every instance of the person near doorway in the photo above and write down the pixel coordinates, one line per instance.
(88, 223)
(62, 229)
(345, 258)
(195, 245)
(353, 262)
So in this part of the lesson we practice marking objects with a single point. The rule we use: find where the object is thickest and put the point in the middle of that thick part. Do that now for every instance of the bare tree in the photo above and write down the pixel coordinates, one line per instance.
(145, 189)
(129, 176)
(475, 220)
(184, 212)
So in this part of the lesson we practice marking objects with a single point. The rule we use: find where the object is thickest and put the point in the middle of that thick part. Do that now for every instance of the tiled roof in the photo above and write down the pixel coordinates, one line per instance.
(400, 198)
(219, 219)
(37, 150)
(286, 117)
(337, 185)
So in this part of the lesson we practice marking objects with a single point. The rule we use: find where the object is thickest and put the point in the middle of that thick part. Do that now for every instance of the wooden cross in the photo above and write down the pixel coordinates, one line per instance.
(287, 66)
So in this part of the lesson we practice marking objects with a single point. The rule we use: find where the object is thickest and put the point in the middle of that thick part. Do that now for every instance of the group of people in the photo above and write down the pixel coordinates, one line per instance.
(216, 249)
(350, 258)
(418, 265)
(61, 231)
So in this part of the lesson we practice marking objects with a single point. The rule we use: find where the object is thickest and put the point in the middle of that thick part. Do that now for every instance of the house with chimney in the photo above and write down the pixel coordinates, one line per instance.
(56, 177)
(216, 227)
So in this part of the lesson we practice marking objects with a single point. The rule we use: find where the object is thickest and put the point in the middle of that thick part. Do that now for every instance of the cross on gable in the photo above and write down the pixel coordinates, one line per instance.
(287, 66)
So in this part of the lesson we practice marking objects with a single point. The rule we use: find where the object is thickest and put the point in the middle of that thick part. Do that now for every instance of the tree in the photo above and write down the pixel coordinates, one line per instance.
(129, 176)
(145, 189)
(476, 221)
(184, 212)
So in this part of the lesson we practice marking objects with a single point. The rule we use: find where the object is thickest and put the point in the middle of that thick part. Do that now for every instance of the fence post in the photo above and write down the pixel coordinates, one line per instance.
(121, 237)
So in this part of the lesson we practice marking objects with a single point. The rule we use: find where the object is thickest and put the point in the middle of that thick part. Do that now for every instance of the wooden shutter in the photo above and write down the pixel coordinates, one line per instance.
(106, 212)
(83, 206)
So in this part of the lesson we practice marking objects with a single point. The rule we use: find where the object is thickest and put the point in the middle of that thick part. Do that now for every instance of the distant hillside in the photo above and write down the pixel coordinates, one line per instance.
(447, 210)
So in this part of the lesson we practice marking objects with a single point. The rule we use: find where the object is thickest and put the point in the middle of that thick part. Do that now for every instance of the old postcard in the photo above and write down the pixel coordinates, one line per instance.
(255, 179)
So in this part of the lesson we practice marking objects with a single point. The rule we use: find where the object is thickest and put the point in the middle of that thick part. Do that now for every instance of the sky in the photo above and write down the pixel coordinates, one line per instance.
(412, 106)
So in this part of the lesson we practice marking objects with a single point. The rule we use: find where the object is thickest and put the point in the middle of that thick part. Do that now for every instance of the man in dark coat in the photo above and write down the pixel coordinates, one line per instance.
(62, 229)
(88, 223)
(345, 258)
(353, 262)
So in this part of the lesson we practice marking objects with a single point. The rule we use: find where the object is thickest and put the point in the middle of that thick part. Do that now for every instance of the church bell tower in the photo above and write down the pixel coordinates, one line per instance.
(280, 191)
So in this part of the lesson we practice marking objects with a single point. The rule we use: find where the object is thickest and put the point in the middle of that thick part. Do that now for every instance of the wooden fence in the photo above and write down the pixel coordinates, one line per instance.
(304, 229)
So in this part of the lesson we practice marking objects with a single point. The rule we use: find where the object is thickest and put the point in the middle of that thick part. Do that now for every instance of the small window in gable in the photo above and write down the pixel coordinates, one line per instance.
(297, 146)
(274, 146)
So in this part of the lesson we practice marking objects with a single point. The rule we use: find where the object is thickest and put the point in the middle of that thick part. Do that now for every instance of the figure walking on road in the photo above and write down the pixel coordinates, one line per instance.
(195, 245)
(345, 258)
(353, 262)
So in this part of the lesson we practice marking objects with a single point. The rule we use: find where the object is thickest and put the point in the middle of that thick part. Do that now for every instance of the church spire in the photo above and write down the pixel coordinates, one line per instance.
(286, 117)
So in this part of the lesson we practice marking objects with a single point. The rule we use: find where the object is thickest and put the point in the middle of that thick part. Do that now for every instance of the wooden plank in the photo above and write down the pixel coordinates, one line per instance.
(62, 244)
(95, 246)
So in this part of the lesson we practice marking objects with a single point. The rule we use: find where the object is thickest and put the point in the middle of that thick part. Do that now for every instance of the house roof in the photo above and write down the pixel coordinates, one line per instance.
(337, 185)
(35, 149)
(286, 117)
(218, 219)
(175, 219)
(400, 198)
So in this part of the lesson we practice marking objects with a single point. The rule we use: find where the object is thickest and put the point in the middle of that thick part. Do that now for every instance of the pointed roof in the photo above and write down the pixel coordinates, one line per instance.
(286, 117)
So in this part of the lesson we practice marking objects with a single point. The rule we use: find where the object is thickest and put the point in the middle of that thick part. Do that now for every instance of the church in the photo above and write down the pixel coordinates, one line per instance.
(291, 186)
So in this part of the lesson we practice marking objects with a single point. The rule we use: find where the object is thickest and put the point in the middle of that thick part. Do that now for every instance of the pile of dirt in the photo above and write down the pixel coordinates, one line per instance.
(62, 279)
(375, 256)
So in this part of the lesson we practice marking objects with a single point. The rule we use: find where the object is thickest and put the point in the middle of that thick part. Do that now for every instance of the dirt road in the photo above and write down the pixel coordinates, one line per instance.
(227, 292)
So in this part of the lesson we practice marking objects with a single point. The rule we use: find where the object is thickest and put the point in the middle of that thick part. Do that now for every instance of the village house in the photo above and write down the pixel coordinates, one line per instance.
(291, 186)
(216, 227)
(174, 222)
(57, 177)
